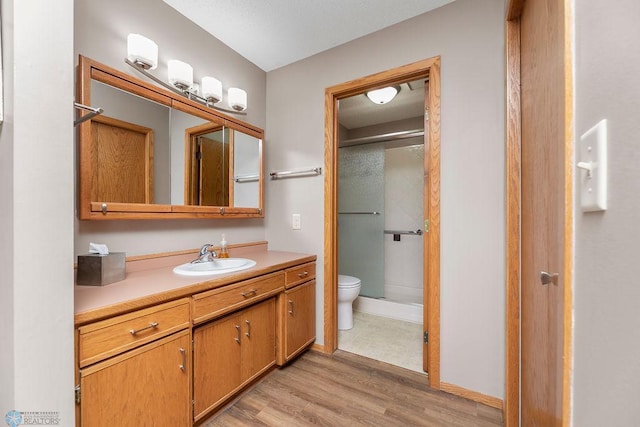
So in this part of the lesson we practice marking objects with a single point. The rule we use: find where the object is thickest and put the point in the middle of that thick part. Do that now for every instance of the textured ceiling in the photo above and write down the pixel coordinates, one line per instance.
(275, 33)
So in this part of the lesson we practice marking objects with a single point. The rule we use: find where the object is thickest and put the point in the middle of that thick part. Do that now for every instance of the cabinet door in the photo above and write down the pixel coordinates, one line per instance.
(300, 317)
(216, 362)
(258, 338)
(145, 386)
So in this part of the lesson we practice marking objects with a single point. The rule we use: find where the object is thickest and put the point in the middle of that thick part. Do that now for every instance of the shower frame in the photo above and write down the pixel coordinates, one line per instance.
(429, 69)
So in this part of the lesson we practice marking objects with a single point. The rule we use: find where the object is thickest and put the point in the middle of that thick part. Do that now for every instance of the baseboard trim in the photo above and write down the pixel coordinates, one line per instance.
(492, 401)
(319, 348)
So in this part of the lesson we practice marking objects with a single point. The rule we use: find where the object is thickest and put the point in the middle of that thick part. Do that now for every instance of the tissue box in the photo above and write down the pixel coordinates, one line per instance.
(98, 270)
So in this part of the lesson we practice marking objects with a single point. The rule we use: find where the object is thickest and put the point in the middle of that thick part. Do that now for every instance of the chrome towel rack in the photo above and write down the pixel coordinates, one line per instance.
(246, 178)
(359, 213)
(93, 111)
(296, 173)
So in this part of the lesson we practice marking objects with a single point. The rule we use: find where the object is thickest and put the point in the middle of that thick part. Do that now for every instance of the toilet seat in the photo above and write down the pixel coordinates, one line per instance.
(346, 282)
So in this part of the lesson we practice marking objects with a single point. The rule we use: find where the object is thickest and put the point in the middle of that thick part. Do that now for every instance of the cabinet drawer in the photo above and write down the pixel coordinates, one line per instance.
(300, 274)
(226, 299)
(106, 338)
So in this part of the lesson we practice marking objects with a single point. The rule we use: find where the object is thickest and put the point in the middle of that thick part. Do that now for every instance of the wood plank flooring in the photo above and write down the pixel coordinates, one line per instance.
(345, 389)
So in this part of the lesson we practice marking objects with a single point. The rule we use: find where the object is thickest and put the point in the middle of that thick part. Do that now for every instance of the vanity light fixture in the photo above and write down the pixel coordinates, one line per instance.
(383, 95)
(237, 99)
(180, 74)
(142, 51)
(211, 89)
(142, 54)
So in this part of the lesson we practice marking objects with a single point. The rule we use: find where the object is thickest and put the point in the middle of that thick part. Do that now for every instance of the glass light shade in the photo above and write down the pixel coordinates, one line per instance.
(237, 99)
(142, 50)
(382, 96)
(180, 74)
(211, 89)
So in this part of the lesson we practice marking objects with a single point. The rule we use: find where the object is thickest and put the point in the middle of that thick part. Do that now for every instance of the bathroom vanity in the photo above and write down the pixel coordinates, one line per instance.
(163, 349)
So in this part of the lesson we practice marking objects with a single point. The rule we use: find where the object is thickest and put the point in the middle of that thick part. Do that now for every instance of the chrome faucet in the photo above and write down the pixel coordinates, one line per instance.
(206, 255)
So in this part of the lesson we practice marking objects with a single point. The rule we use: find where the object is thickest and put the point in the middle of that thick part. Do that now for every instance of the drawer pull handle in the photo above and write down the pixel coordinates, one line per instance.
(248, 334)
(291, 307)
(303, 274)
(184, 359)
(151, 325)
(252, 291)
(238, 332)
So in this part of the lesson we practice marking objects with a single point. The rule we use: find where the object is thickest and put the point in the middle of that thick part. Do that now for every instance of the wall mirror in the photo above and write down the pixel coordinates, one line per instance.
(154, 154)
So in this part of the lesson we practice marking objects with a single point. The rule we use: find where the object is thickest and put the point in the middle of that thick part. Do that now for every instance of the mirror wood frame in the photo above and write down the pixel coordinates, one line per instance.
(88, 70)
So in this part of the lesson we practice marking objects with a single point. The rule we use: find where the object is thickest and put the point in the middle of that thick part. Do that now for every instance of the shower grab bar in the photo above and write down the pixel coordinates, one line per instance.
(359, 213)
(417, 232)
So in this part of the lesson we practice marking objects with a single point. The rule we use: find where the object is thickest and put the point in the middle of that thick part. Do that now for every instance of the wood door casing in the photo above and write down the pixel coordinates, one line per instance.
(546, 210)
(124, 153)
(428, 68)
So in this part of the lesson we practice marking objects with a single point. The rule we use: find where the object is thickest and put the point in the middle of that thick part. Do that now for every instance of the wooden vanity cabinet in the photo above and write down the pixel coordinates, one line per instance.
(177, 362)
(146, 386)
(231, 352)
(135, 368)
(296, 312)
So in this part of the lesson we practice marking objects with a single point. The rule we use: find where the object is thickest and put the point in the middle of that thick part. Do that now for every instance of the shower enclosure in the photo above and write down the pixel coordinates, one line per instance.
(380, 217)
(361, 216)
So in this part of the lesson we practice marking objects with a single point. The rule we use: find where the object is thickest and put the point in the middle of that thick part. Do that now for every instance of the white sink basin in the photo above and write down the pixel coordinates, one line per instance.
(217, 266)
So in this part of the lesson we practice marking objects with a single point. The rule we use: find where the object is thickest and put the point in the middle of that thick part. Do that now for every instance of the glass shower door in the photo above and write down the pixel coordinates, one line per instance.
(361, 216)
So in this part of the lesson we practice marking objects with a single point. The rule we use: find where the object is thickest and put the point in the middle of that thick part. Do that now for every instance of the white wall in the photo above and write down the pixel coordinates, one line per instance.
(7, 382)
(101, 34)
(469, 36)
(403, 210)
(607, 271)
(36, 159)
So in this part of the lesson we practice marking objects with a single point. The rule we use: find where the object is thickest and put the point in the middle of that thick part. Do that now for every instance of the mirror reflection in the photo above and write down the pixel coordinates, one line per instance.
(131, 148)
(146, 152)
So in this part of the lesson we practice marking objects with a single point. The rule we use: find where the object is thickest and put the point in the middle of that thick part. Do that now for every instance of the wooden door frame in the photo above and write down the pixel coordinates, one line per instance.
(190, 147)
(428, 68)
(514, 214)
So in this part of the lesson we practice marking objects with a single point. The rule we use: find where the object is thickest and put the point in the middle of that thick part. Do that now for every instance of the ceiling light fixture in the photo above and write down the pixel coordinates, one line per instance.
(384, 95)
(142, 54)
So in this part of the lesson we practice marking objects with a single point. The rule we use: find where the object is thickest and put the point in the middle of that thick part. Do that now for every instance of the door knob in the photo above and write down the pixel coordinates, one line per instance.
(546, 278)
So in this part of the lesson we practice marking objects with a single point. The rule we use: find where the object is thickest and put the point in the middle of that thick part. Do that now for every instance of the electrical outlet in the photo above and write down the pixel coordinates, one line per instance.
(295, 222)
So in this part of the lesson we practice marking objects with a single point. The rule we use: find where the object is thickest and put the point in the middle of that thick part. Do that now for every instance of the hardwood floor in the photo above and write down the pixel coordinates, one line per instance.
(350, 390)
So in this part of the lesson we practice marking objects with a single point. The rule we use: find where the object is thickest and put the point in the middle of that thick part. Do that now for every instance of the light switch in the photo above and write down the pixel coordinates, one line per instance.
(592, 168)
(295, 221)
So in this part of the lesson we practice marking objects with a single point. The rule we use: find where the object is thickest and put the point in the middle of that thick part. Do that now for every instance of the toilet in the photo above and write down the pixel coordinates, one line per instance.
(348, 291)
